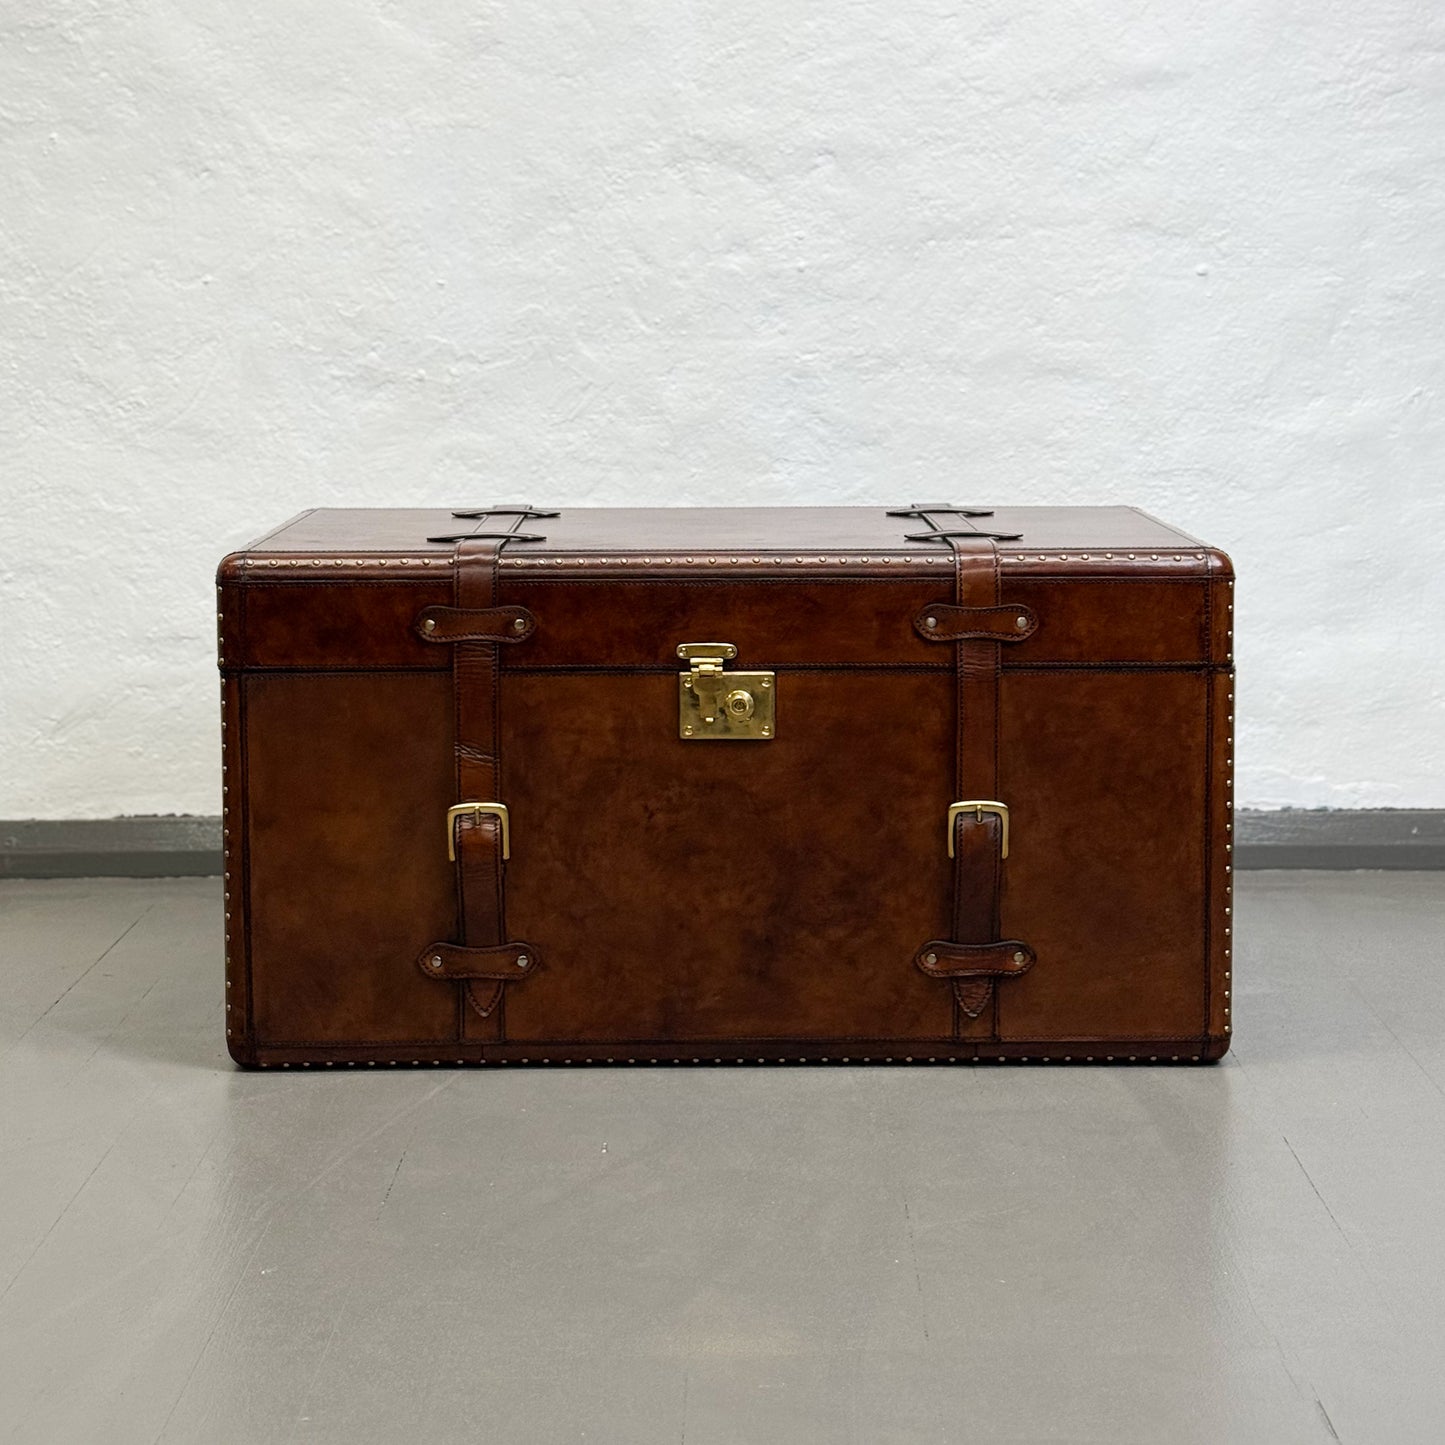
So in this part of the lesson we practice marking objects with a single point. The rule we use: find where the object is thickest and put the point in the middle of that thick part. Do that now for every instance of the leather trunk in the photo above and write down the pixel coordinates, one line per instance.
(915, 784)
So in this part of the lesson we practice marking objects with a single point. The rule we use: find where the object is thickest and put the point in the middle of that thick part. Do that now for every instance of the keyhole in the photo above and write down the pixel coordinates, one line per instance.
(739, 703)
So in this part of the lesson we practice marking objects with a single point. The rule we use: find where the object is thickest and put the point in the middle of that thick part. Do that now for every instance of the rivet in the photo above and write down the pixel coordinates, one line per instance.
(767, 732)
(930, 622)
(930, 958)
(522, 960)
(520, 625)
(430, 625)
(1019, 956)
(1022, 623)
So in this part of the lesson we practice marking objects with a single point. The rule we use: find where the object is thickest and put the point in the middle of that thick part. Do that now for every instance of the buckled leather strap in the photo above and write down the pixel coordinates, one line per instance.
(977, 625)
(485, 960)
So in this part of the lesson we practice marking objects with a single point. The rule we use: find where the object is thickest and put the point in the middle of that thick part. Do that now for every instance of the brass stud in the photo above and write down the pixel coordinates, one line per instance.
(930, 958)
(520, 625)
(430, 625)
(1019, 955)
(522, 960)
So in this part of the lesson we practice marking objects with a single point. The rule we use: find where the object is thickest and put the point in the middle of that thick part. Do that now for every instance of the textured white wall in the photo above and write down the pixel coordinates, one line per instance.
(260, 257)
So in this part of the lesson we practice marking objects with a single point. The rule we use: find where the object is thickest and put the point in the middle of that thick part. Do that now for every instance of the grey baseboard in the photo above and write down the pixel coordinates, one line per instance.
(182, 847)
(169, 847)
(1397, 838)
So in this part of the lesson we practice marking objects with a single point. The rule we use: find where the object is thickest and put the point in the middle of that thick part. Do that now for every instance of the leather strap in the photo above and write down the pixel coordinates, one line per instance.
(479, 624)
(943, 622)
(977, 625)
(485, 960)
(943, 958)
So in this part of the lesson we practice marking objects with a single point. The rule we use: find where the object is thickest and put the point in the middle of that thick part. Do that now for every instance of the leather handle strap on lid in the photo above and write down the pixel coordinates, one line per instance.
(943, 622)
(484, 960)
(474, 624)
(974, 955)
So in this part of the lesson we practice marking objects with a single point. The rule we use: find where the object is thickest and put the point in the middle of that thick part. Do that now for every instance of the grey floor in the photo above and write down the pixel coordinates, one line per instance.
(1254, 1252)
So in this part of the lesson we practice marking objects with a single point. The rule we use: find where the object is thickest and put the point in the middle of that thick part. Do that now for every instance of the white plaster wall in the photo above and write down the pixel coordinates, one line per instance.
(260, 257)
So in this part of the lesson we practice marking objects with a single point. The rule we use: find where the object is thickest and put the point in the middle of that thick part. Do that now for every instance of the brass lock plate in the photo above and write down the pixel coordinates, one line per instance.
(714, 704)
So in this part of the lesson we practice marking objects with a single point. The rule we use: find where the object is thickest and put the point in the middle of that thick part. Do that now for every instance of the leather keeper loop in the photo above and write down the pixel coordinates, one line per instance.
(501, 962)
(941, 958)
(474, 624)
(945, 622)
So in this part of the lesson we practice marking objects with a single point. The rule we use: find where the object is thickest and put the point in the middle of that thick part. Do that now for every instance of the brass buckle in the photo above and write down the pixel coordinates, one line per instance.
(475, 810)
(979, 808)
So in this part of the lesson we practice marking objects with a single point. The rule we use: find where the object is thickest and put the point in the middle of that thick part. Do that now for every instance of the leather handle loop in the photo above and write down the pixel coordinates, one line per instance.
(944, 622)
(942, 958)
(501, 962)
(474, 624)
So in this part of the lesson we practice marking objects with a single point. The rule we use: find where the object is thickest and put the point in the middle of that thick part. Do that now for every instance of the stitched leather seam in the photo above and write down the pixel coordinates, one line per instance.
(324, 582)
(663, 670)
(1207, 861)
(792, 1040)
(854, 579)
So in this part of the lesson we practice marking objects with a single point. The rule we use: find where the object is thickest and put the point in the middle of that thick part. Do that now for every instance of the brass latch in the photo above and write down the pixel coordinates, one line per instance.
(713, 703)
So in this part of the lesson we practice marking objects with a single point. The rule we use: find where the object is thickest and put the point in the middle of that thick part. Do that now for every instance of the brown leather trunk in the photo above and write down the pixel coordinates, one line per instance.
(757, 772)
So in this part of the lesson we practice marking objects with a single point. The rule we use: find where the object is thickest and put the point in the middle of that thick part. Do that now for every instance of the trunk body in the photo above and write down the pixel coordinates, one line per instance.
(688, 896)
